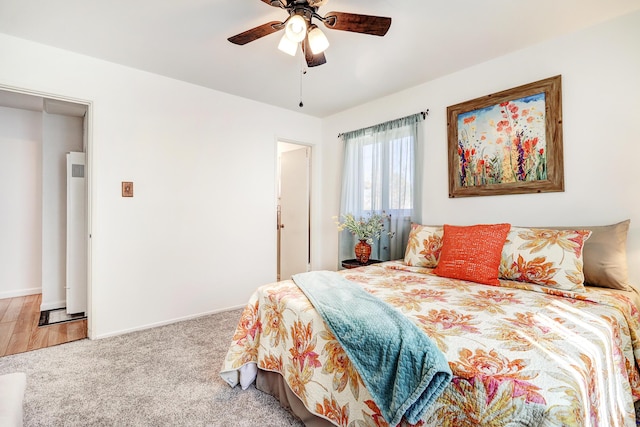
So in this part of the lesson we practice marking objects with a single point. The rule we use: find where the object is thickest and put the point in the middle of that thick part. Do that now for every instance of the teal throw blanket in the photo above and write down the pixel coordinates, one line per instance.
(399, 364)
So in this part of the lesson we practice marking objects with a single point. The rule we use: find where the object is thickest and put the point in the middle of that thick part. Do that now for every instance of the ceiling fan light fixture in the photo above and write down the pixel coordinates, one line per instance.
(299, 28)
(318, 42)
(296, 28)
(287, 46)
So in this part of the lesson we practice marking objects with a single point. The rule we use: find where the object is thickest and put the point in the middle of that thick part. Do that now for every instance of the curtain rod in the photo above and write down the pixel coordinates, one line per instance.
(424, 113)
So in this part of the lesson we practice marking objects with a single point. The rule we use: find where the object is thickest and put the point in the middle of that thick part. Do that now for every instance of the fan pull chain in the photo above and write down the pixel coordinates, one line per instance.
(303, 71)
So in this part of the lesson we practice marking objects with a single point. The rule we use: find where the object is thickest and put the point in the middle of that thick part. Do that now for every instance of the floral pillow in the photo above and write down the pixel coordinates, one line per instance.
(605, 255)
(424, 246)
(545, 257)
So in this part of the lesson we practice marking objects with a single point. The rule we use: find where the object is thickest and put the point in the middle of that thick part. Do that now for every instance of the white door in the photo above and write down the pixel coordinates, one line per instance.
(76, 286)
(294, 212)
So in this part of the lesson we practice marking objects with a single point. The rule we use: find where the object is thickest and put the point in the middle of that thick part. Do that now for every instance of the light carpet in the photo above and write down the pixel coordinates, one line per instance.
(165, 376)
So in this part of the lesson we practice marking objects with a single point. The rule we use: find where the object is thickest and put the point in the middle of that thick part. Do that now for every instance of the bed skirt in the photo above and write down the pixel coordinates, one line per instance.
(272, 383)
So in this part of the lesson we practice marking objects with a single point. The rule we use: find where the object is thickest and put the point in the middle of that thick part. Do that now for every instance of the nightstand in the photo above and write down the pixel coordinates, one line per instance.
(354, 263)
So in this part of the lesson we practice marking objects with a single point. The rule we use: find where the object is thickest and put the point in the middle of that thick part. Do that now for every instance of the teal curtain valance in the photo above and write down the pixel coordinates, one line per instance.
(389, 125)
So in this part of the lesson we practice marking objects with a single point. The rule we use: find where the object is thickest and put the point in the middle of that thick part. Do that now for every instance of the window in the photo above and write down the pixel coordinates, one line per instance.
(381, 173)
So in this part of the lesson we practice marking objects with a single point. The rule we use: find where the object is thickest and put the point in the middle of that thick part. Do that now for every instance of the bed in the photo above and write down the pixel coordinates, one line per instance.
(524, 350)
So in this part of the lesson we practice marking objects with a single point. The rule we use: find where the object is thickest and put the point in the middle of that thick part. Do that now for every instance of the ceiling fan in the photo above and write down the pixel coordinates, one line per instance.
(299, 28)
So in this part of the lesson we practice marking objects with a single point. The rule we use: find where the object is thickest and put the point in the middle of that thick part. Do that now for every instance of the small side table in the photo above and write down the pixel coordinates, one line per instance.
(354, 263)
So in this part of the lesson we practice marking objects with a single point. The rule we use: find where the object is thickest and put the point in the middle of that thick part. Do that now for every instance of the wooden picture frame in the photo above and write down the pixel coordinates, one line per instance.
(509, 142)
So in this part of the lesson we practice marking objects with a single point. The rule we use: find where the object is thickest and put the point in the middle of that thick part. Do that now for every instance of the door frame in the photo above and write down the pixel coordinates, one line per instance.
(88, 149)
(309, 197)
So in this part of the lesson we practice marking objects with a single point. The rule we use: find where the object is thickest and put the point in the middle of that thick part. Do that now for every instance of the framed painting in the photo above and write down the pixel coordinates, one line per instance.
(508, 142)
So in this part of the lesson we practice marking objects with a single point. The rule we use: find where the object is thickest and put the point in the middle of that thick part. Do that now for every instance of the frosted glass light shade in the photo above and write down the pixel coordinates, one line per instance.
(287, 46)
(296, 28)
(317, 41)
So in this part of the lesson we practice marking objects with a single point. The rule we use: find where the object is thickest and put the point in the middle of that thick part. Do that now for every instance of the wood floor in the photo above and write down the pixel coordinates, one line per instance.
(19, 330)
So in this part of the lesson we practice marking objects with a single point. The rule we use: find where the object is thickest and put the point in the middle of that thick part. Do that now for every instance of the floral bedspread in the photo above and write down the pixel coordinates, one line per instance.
(516, 351)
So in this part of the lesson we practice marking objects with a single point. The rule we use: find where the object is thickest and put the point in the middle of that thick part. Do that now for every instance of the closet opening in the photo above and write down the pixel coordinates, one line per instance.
(45, 173)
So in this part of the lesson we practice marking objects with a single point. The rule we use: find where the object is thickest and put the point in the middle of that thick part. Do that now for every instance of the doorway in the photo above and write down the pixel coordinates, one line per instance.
(57, 125)
(293, 209)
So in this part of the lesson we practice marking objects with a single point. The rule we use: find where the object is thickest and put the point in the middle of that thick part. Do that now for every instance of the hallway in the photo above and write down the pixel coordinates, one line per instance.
(19, 330)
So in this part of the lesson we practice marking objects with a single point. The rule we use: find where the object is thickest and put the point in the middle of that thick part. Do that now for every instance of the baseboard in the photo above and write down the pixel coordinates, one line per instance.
(167, 322)
(52, 305)
(20, 293)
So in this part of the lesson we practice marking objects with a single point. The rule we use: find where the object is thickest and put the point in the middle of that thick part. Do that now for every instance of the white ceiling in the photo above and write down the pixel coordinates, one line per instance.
(187, 40)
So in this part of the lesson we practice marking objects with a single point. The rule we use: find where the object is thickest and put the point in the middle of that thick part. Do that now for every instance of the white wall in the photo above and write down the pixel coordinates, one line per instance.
(61, 134)
(601, 105)
(20, 202)
(199, 234)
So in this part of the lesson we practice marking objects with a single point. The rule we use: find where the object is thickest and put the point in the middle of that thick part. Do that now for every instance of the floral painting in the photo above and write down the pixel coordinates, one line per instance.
(503, 143)
(507, 143)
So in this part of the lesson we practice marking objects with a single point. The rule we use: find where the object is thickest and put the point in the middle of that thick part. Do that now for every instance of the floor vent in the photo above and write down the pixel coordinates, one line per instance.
(58, 315)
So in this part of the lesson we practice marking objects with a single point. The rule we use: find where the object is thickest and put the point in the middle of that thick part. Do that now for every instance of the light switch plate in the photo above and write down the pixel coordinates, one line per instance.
(127, 189)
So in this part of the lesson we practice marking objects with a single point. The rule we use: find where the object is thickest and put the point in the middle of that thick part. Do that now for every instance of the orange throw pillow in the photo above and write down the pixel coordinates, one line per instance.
(472, 252)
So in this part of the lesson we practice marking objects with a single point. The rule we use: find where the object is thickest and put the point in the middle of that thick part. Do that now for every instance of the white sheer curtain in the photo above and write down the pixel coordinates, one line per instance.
(382, 173)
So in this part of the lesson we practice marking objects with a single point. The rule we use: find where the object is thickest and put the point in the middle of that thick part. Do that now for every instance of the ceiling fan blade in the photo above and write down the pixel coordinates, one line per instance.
(312, 60)
(366, 24)
(256, 33)
(274, 3)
